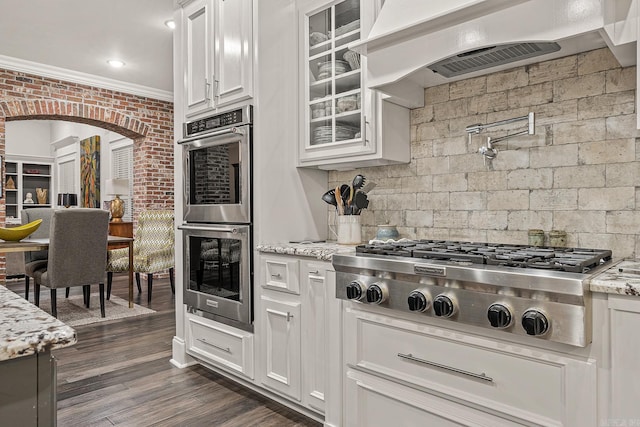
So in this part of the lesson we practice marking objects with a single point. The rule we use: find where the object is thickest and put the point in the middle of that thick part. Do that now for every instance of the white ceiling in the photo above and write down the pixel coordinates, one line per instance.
(75, 38)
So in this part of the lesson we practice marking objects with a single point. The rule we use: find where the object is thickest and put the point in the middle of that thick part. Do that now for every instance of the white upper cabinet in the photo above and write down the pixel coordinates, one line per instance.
(198, 44)
(343, 125)
(217, 43)
(233, 61)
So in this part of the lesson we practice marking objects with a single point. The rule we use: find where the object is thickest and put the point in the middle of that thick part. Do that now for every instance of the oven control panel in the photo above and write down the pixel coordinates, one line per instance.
(240, 116)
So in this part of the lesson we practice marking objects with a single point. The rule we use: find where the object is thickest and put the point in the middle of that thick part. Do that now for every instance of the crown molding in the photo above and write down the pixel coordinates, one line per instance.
(72, 76)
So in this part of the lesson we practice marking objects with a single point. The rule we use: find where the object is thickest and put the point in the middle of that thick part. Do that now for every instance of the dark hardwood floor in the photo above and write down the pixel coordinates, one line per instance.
(119, 374)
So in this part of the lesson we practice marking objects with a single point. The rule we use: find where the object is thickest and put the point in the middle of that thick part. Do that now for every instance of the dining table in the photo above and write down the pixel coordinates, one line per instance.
(32, 244)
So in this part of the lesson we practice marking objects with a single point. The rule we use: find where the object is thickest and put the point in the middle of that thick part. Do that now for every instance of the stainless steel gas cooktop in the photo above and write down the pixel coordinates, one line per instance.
(538, 292)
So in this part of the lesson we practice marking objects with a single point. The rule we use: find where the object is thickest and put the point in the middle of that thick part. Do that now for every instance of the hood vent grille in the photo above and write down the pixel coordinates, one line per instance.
(487, 57)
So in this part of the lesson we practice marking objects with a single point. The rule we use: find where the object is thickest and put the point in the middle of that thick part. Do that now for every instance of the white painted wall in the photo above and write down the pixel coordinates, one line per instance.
(28, 138)
(34, 138)
(287, 200)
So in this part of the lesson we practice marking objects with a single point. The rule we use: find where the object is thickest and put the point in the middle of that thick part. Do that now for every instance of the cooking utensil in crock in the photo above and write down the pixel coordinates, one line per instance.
(344, 193)
(339, 202)
(330, 197)
(360, 202)
(368, 187)
(358, 182)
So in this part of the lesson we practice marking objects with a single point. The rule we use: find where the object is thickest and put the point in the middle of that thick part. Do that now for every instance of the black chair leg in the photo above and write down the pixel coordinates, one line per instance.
(101, 286)
(149, 284)
(138, 283)
(172, 281)
(86, 293)
(66, 292)
(26, 288)
(54, 309)
(109, 281)
(36, 291)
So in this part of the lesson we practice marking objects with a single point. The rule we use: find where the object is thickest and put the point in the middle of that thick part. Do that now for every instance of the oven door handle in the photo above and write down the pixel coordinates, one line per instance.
(232, 230)
(231, 130)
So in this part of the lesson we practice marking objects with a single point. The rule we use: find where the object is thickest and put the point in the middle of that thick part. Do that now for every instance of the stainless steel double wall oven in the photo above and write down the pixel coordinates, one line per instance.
(217, 226)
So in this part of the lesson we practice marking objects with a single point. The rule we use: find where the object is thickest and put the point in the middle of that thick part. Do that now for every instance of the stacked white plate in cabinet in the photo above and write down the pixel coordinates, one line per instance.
(324, 68)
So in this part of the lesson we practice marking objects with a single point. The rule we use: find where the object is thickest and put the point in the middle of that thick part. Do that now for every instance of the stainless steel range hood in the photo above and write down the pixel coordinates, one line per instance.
(416, 44)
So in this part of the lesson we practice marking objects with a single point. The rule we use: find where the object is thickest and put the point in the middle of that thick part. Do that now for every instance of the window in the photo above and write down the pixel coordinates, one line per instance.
(67, 170)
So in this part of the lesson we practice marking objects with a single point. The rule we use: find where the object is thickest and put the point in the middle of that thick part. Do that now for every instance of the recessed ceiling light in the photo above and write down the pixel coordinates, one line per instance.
(115, 63)
(170, 23)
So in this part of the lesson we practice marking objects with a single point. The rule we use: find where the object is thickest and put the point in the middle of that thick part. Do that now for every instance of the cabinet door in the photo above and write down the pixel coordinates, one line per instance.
(314, 339)
(624, 313)
(343, 124)
(233, 54)
(332, 83)
(281, 345)
(198, 49)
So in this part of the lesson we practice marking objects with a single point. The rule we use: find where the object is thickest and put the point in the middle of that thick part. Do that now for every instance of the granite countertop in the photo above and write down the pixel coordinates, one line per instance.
(622, 278)
(323, 251)
(27, 330)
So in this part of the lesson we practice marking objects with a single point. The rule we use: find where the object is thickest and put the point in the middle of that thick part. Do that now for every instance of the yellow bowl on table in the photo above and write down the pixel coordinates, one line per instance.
(16, 234)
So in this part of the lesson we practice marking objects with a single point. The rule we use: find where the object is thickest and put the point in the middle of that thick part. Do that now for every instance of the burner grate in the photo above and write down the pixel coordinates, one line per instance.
(577, 260)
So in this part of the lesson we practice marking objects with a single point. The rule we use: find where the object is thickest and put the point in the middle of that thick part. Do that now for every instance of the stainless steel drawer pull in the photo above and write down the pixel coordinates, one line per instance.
(289, 316)
(481, 376)
(276, 276)
(225, 349)
(314, 272)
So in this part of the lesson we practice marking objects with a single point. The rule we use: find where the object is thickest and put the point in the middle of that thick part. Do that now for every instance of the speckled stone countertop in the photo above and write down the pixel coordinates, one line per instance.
(622, 278)
(323, 251)
(26, 330)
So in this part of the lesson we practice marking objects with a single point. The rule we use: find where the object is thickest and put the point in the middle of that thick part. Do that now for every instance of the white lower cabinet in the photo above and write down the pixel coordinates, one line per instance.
(624, 372)
(280, 320)
(296, 347)
(314, 340)
(403, 370)
(219, 344)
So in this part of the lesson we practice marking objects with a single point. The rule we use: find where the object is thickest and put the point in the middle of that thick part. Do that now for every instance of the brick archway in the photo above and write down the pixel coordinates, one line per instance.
(148, 122)
(51, 109)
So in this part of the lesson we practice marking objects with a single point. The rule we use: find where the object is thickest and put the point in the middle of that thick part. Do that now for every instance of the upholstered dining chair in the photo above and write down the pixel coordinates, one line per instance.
(34, 261)
(77, 253)
(153, 250)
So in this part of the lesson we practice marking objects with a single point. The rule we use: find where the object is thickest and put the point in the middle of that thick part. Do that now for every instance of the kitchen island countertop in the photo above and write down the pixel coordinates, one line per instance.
(26, 330)
(323, 250)
(622, 278)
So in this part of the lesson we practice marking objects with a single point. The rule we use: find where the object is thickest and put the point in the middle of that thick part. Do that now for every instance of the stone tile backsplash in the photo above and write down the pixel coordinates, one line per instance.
(579, 173)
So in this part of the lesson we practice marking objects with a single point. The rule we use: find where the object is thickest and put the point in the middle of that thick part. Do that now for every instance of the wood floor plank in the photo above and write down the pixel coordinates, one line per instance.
(118, 374)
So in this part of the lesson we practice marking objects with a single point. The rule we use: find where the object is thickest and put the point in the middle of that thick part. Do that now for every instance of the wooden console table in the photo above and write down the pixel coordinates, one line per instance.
(121, 228)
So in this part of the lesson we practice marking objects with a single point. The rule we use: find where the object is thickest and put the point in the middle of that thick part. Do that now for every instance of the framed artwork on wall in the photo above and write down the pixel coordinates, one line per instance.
(90, 172)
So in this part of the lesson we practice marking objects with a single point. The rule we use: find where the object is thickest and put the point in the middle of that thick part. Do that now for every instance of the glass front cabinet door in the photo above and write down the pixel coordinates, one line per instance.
(340, 117)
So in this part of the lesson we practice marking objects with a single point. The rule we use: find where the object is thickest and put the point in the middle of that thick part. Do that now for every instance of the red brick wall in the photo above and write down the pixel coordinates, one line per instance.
(149, 122)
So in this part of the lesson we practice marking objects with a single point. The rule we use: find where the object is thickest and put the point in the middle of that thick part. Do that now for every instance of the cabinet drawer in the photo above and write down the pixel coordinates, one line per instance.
(220, 344)
(281, 275)
(530, 384)
(374, 402)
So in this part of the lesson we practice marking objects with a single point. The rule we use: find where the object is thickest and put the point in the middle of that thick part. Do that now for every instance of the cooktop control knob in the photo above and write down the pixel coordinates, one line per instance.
(417, 301)
(443, 306)
(377, 293)
(534, 322)
(354, 290)
(499, 316)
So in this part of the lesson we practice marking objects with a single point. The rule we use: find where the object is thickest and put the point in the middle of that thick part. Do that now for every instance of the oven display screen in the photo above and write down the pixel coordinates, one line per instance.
(212, 123)
(229, 118)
